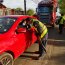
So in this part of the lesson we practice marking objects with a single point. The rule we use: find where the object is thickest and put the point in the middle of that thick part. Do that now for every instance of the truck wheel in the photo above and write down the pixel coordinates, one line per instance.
(6, 59)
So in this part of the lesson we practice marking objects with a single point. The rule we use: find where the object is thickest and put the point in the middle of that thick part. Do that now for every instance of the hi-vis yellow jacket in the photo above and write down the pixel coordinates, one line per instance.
(62, 20)
(43, 28)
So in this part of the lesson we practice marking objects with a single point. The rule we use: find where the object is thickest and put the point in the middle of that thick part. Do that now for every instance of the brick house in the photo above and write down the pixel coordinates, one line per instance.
(13, 12)
(8, 11)
(2, 9)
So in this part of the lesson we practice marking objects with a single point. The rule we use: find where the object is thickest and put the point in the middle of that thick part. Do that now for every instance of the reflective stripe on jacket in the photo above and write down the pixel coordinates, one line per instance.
(43, 29)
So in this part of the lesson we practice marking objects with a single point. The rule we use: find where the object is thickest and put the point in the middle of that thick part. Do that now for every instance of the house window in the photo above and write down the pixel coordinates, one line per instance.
(1, 12)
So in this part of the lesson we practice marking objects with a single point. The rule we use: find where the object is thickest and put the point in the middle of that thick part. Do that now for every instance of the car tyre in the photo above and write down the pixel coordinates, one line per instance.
(6, 59)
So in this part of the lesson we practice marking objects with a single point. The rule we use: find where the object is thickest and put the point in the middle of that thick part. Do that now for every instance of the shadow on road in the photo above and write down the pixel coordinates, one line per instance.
(28, 56)
(31, 52)
(32, 55)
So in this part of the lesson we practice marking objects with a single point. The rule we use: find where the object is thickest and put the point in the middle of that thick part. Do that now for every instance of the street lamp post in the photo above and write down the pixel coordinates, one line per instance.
(25, 7)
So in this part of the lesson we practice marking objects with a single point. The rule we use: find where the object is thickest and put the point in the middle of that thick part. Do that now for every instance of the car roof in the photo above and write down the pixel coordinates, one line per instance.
(15, 16)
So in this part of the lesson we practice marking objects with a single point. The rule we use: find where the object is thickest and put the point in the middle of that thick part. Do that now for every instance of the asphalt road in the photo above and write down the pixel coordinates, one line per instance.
(55, 51)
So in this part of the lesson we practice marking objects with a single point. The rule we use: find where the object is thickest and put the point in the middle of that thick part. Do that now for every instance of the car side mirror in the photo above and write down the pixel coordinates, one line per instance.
(21, 30)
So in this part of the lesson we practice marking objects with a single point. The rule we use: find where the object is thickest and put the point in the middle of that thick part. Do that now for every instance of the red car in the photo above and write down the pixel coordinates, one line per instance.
(14, 38)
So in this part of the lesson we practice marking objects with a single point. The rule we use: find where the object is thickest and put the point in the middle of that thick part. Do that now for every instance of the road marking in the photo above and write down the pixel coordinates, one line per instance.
(56, 40)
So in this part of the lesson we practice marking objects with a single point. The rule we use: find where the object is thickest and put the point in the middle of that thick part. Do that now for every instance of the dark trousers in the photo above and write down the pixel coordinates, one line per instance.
(61, 28)
(43, 43)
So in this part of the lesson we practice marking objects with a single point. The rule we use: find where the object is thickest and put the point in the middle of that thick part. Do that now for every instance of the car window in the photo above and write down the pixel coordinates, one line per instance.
(25, 24)
(22, 24)
(6, 23)
(29, 23)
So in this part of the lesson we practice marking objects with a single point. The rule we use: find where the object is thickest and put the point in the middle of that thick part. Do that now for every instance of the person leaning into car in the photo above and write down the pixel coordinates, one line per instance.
(42, 35)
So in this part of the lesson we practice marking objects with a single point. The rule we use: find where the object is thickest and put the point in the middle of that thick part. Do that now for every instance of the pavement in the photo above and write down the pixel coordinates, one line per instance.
(55, 51)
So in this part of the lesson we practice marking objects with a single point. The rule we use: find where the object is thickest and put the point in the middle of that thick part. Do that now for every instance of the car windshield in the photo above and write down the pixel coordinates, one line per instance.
(6, 23)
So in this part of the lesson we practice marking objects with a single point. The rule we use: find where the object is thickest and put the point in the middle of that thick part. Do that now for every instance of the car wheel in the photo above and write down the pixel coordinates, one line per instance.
(6, 59)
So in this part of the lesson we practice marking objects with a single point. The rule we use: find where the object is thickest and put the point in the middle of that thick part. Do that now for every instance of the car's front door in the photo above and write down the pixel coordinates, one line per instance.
(23, 38)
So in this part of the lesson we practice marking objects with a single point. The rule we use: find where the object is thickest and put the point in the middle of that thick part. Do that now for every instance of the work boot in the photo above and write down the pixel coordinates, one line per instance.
(41, 56)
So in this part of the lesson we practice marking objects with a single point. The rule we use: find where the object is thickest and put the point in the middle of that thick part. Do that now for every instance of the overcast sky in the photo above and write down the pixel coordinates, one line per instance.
(19, 3)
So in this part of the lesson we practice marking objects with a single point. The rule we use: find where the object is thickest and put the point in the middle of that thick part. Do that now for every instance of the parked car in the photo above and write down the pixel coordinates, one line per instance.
(14, 40)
